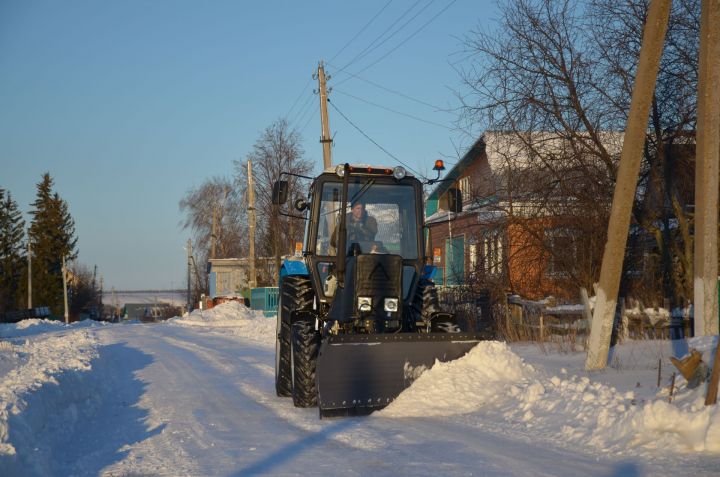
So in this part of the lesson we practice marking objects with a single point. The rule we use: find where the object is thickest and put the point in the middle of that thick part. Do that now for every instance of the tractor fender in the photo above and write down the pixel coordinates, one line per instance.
(293, 267)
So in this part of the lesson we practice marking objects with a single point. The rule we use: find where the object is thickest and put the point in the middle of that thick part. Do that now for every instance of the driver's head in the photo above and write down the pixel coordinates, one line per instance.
(357, 210)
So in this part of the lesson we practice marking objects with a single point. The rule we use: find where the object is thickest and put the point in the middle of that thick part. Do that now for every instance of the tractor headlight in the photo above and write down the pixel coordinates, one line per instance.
(340, 170)
(399, 173)
(391, 304)
(364, 303)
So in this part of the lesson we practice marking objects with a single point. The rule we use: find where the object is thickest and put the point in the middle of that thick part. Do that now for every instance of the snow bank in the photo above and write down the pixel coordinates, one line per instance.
(232, 317)
(491, 384)
(35, 355)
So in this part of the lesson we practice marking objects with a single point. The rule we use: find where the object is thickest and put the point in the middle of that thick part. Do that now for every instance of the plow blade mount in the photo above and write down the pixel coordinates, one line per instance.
(357, 374)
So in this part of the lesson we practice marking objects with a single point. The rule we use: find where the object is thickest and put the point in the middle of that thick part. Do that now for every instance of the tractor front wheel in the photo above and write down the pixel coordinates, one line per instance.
(295, 295)
(305, 346)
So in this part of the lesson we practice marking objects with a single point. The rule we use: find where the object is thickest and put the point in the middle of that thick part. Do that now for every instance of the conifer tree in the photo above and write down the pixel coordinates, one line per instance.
(12, 247)
(52, 236)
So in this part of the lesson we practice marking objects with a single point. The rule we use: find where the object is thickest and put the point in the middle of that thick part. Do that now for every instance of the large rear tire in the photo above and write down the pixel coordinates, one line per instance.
(424, 303)
(426, 308)
(305, 346)
(295, 295)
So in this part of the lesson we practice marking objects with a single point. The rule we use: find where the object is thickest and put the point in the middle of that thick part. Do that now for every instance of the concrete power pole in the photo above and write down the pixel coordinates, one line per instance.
(252, 281)
(325, 139)
(64, 275)
(624, 195)
(29, 258)
(706, 173)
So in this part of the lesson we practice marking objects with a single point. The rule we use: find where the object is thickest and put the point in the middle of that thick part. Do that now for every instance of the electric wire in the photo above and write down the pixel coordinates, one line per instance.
(411, 36)
(312, 116)
(373, 141)
(299, 96)
(403, 15)
(361, 30)
(398, 93)
(303, 111)
(398, 30)
(416, 118)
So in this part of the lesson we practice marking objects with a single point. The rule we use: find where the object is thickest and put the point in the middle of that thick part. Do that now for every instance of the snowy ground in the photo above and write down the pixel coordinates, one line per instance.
(195, 396)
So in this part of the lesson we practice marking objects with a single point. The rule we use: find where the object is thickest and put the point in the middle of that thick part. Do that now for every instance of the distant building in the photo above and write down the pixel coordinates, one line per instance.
(229, 276)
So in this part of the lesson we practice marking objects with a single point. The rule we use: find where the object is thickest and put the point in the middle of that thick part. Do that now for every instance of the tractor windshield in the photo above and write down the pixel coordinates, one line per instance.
(380, 218)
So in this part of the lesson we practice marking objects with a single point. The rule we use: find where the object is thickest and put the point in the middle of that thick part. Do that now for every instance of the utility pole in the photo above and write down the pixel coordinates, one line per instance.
(705, 309)
(213, 236)
(189, 264)
(625, 187)
(29, 258)
(325, 139)
(64, 274)
(252, 282)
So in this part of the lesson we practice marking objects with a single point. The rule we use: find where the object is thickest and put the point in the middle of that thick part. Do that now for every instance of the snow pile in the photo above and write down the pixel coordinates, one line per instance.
(232, 317)
(31, 372)
(493, 384)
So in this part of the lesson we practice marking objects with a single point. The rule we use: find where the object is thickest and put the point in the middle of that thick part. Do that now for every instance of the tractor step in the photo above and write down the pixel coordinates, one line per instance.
(357, 374)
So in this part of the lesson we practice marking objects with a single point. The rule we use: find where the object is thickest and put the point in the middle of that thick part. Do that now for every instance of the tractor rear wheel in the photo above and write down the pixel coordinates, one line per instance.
(305, 346)
(424, 303)
(295, 295)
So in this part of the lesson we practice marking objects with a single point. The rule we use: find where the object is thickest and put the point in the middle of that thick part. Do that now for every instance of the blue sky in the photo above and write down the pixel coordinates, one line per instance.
(128, 104)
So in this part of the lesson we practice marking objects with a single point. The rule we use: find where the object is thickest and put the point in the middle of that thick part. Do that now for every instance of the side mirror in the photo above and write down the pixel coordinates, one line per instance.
(454, 196)
(280, 192)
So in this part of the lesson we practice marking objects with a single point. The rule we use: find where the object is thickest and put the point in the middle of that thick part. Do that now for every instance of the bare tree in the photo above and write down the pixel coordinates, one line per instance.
(216, 197)
(277, 150)
(556, 77)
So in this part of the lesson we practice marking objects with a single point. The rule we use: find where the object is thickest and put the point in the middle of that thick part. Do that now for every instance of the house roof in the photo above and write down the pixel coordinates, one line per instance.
(470, 156)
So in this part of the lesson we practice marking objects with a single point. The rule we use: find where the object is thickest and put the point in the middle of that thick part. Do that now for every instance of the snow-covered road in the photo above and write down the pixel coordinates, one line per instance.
(173, 399)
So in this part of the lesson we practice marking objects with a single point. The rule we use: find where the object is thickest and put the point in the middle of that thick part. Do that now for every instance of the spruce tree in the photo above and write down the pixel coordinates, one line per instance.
(52, 236)
(12, 252)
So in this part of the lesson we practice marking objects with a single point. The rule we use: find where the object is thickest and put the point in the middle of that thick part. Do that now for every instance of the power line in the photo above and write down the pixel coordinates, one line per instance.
(299, 96)
(361, 30)
(403, 15)
(372, 140)
(302, 111)
(412, 35)
(307, 112)
(393, 110)
(399, 93)
(312, 116)
(399, 29)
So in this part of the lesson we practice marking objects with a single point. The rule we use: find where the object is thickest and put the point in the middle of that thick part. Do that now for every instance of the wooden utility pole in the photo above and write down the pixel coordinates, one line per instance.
(252, 281)
(189, 282)
(213, 235)
(29, 258)
(64, 276)
(624, 195)
(325, 139)
(706, 172)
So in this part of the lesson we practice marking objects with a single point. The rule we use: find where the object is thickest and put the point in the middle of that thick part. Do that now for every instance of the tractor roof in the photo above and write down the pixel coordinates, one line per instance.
(365, 167)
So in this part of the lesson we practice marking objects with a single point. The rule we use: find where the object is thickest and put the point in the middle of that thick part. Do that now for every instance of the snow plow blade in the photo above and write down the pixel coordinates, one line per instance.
(357, 374)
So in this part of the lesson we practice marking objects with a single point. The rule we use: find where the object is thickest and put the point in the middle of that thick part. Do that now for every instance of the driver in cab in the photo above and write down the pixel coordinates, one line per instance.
(361, 227)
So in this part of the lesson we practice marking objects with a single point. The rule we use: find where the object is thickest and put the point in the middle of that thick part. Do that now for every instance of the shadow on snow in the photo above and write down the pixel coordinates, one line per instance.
(83, 423)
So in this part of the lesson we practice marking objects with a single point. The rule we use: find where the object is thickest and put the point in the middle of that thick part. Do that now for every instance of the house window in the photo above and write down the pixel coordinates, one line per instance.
(562, 251)
(464, 186)
(492, 253)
